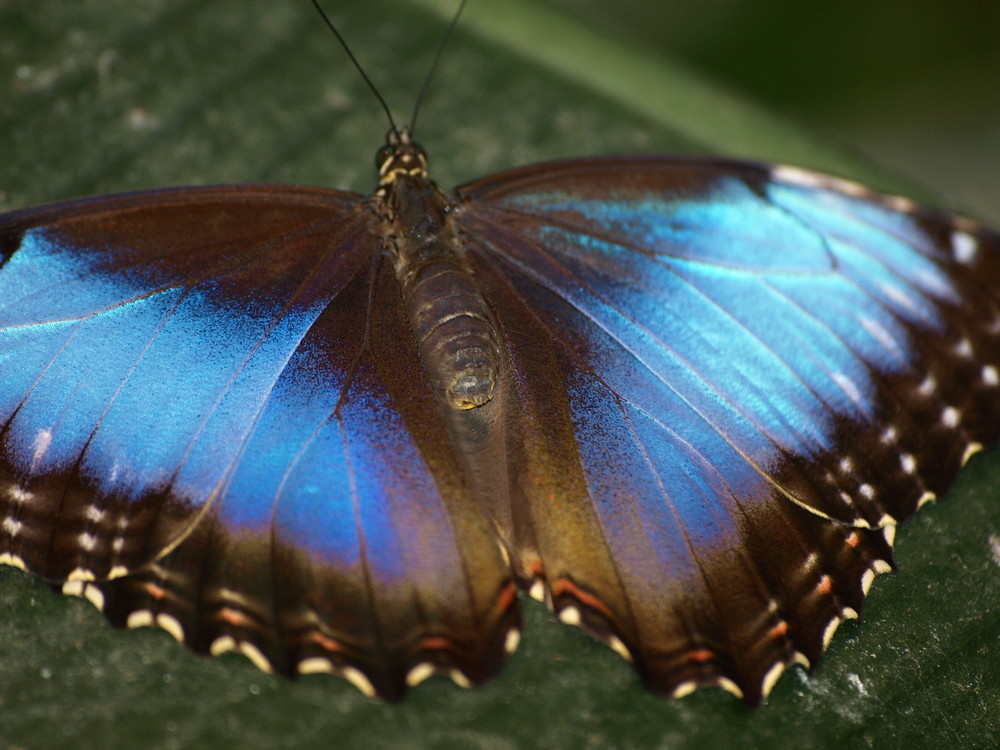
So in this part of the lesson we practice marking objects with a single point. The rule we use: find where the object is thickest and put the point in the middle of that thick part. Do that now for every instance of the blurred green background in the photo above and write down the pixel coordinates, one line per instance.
(105, 95)
(914, 86)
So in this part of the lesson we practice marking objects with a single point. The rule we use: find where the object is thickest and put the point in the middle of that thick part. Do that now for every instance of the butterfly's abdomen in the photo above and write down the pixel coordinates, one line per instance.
(449, 317)
(454, 332)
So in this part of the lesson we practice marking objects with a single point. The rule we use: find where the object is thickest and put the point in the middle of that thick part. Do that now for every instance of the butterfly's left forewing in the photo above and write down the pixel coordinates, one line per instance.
(131, 327)
(755, 374)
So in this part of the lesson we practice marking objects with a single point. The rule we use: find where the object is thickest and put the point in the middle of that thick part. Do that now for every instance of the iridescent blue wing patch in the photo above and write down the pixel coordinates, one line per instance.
(685, 402)
(754, 374)
(212, 419)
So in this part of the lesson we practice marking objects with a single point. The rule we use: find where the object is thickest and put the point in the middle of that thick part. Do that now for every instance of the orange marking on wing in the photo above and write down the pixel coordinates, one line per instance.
(233, 617)
(506, 597)
(325, 642)
(853, 539)
(156, 592)
(778, 630)
(701, 654)
(825, 585)
(434, 643)
(564, 585)
(535, 569)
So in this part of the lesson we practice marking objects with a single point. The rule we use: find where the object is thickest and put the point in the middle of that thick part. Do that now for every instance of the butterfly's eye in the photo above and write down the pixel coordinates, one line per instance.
(421, 152)
(383, 155)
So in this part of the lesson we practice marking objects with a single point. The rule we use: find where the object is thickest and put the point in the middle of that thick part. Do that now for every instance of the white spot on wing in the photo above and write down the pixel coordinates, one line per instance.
(866, 581)
(504, 553)
(13, 560)
(814, 180)
(230, 596)
(899, 203)
(537, 590)
(908, 462)
(849, 387)
(315, 665)
(964, 246)
(222, 644)
(570, 615)
(796, 176)
(685, 688)
(880, 333)
(900, 297)
(810, 561)
(40, 446)
(889, 534)
(619, 647)
(18, 494)
(729, 686)
(512, 641)
(950, 417)
(419, 673)
(459, 679)
(830, 630)
(141, 618)
(172, 625)
(86, 591)
(357, 678)
(767, 684)
(970, 450)
(990, 375)
(938, 286)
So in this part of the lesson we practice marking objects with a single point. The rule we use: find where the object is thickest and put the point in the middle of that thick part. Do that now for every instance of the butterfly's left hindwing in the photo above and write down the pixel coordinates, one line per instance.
(213, 418)
(760, 372)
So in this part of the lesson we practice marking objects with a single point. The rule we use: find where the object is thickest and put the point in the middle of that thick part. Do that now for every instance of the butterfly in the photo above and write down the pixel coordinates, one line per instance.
(684, 401)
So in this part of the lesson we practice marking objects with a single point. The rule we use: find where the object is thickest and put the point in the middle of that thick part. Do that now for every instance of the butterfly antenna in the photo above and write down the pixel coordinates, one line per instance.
(357, 65)
(434, 66)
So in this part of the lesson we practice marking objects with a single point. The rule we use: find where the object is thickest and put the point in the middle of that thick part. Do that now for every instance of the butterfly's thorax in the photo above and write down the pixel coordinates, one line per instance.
(450, 320)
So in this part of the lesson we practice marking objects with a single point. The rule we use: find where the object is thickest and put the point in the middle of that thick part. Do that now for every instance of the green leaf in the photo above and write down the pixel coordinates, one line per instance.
(109, 95)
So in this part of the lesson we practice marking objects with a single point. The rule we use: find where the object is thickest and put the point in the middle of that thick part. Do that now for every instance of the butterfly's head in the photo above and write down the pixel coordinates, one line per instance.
(400, 156)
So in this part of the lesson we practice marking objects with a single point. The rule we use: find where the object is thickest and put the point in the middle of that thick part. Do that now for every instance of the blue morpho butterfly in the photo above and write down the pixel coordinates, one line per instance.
(684, 401)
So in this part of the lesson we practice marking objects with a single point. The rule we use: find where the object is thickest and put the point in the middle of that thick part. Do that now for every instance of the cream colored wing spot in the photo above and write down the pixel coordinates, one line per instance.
(964, 246)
